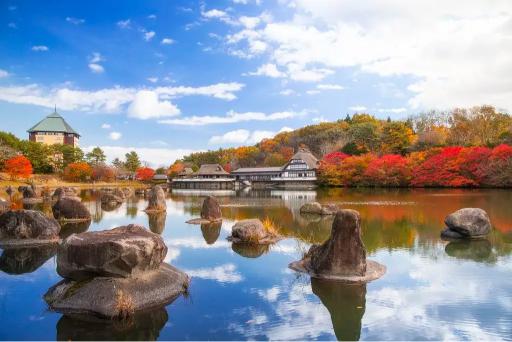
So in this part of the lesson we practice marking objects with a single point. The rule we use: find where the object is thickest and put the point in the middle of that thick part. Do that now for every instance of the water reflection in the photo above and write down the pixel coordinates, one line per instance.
(156, 222)
(145, 326)
(346, 304)
(20, 260)
(110, 206)
(476, 250)
(211, 231)
(69, 228)
(250, 250)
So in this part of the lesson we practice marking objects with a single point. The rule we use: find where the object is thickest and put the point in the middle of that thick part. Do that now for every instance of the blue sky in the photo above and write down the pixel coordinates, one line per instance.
(171, 77)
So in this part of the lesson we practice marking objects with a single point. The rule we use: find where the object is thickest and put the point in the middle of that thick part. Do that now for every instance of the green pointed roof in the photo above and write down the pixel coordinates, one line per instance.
(53, 123)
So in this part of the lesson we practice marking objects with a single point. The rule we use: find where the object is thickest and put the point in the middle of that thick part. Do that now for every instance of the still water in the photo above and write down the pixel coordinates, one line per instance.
(432, 289)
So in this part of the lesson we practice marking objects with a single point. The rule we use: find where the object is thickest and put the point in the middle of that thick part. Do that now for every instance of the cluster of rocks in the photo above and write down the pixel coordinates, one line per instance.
(343, 256)
(467, 223)
(114, 274)
(111, 199)
(315, 208)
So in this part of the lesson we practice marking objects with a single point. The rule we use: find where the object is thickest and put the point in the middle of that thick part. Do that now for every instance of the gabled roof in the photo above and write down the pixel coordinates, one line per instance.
(211, 169)
(53, 123)
(308, 157)
(186, 171)
(258, 169)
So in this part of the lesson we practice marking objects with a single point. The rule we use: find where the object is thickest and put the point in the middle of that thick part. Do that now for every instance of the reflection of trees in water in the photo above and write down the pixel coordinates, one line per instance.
(21, 260)
(73, 228)
(142, 327)
(250, 250)
(131, 208)
(346, 304)
(110, 206)
(211, 231)
(156, 222)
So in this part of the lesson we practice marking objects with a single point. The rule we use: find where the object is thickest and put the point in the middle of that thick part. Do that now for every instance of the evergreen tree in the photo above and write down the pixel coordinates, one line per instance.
(132, 162)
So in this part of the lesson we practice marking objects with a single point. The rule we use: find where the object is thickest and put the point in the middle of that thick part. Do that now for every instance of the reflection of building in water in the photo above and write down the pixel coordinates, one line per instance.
(346, 304)
(203, 192)
(294, 199)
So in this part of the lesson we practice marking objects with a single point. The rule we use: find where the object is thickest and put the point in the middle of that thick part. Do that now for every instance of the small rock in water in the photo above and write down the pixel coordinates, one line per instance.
(316, 208)
(251, 231)
(156, 199)
(68, 208)
(467, 223)
(211, 209)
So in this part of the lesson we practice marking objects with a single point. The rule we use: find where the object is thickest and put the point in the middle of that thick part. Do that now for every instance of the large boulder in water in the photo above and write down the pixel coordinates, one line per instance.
(343, 255)
(467, 223)
(64, 191)
(156, 200)
(112, 297)
(68, 208)
(251, 231)
(211, 209)
(120, 252)
(27, 227)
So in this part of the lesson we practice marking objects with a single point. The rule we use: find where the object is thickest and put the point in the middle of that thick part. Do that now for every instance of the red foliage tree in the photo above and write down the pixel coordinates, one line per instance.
(144, 173)
(103, 173)
(18, 166)
(390, 170)
(498, 170)
(77, 172)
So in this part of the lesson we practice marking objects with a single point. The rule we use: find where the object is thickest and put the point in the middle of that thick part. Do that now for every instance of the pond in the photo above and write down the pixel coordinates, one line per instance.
(432, 290)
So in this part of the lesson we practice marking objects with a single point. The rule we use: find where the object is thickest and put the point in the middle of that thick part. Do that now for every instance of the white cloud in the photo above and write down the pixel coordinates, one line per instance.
(75, 21)
(148, 105)
(3, 73)
(393, 110)
(115, 135)
(40, 48)
(96, 68)
(241, 136)
(214, 13)
(269, 70)
(106, 126)
(109, 100)
(285, 129)
(225, 273)
(124, 24)
(154, 156)
(231, 117)
(149, 35)
(358, 108)
(167, 41)
(152, 16)
(152, 79)
(313, 92)
(445, 57)
(329, 87)
(287, 92)
(96, 57)
(249, 22)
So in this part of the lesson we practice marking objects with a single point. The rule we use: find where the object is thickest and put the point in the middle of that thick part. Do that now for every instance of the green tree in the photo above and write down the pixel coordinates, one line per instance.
(63, 155)
(118, 163)
(39, 155)
(397, 137)
(96, 156)
(132, 162)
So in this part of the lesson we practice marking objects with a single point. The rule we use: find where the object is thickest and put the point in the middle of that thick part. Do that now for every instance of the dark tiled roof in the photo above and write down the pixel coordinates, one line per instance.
(211, 169)
(53, 123)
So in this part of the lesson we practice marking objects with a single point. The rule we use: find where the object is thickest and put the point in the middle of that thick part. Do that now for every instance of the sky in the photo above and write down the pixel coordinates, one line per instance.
(166, 78)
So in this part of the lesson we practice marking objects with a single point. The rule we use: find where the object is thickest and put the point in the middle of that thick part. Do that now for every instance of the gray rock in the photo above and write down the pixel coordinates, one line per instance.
(329, 209)
(251, 231)
(211, 209)
(64, 191)
(68, 208)
(311, 208)
(469, 222)
(447, 233)
(111, 199)
(111, 298)
(156, 199)
(27, 227)
(120, 252)
(343, 255)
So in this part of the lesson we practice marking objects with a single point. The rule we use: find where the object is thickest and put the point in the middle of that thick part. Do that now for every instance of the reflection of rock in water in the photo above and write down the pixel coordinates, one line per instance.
(250, 250)
(110, 206)
(211, 231)
(73, 228)
(157, 221)
(26, 260)
(476, 250)
(145, 326)
(346, 304)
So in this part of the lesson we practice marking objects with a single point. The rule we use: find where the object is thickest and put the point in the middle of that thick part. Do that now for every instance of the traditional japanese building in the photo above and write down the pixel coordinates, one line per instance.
(54, 130)
(209, 176)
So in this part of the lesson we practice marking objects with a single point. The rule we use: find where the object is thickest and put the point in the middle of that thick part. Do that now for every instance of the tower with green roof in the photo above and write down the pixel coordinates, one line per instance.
(52, 130)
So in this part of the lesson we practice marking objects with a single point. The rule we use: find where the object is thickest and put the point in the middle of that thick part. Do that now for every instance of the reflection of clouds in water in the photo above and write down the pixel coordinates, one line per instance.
(195, 243)
(172, 254)
(270, 295)
(226, 273)
(426, 308)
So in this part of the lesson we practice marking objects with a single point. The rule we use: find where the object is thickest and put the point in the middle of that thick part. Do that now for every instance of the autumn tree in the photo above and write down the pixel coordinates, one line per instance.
(397, 137)
(390, 170)
(144, 173)
(176, 168)
(104, 173)
(18, 167)
(77, 172)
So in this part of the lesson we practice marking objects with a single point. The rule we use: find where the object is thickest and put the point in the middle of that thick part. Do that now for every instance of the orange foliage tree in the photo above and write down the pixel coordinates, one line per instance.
(176, 168)
(145, 173)
(18, 167)
(77, 172)
(103, 173)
